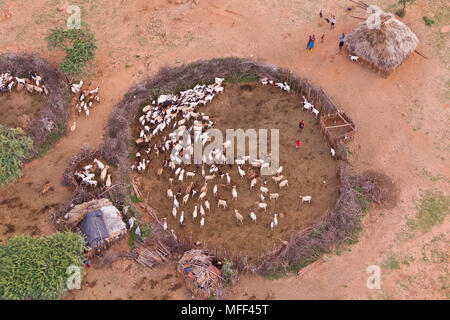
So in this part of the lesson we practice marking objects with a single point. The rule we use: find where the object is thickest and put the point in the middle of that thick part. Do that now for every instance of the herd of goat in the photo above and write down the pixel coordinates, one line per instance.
(87, 175)
(86, 98)
(163, 114)
(32, 84)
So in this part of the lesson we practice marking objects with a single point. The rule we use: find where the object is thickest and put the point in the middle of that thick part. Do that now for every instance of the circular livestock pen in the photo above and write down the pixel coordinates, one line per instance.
(35, 97)
(205, 208)
(315, 208)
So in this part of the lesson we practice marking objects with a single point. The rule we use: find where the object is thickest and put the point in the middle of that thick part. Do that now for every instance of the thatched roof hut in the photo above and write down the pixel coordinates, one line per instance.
(384, 48)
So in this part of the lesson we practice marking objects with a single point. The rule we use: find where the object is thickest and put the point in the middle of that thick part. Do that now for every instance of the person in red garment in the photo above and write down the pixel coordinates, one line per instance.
(297, 144)
(301, 124)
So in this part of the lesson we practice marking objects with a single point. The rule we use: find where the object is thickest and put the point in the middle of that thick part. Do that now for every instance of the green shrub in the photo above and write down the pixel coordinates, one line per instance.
(136, 199)
(400, 12)
(36, 268)
(391, 262)
(14, 146)
(428, 21)
(405, 2)
(227, 270)
(79, 45)
(146, 232)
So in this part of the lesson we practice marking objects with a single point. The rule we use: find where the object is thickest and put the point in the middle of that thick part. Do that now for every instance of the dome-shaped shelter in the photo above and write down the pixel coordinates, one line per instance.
(385, 47)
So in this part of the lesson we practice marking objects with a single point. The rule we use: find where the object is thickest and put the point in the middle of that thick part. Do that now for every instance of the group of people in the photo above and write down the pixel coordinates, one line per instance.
(312, 39)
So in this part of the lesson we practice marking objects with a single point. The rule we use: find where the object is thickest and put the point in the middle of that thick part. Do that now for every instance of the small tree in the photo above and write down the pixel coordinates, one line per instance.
(14, 146)
(405, 2)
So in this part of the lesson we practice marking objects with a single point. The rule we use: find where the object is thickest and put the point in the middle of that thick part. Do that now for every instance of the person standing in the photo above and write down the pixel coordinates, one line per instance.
(333, 21)
(341, 41)
(311, 43)
(301, 124)
(297, 144)
(320, 14)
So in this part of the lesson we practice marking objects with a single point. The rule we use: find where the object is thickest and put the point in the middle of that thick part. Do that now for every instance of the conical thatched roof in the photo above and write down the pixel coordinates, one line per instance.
(386, 47)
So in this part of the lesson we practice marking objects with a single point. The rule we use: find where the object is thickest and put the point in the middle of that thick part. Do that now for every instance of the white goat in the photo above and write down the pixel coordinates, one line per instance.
(305, 198)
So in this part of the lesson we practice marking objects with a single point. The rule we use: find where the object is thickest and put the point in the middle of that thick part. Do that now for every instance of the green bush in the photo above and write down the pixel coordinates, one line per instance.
(79, 45)
(428, 21)
(14, 146)
(136, 199)
(400, 12)
(36, 268)
(227, 271)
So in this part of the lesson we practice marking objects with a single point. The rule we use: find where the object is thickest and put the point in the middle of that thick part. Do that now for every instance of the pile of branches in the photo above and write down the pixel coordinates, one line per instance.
(151, 254)
(76, 163)
(202, 278)
(378, 187)
(46, 129)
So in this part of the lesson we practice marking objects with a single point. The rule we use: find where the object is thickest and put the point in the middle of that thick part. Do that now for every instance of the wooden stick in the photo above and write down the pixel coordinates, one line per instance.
(339, 126)
(420, 54)
(360, 18)
(309, 267)
(345, 121)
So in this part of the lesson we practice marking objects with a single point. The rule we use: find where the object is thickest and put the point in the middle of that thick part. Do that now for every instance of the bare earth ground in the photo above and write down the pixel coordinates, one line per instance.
(20, 106)
(402, 121)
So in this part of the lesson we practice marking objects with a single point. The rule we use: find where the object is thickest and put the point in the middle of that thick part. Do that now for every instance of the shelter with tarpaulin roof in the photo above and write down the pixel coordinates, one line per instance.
(99, 221)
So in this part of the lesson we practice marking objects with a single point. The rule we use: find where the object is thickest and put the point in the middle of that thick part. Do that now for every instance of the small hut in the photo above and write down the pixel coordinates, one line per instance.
(100, 222)
(200, 274)
(384, 47)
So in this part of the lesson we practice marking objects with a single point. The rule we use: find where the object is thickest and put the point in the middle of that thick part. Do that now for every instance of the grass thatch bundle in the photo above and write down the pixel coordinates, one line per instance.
(385, 48)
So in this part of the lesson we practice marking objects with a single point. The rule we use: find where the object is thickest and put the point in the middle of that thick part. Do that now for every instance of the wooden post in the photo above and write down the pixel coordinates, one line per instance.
(309, 93)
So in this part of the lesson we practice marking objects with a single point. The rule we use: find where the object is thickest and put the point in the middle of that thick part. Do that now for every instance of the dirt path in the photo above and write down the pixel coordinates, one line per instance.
(402, 121)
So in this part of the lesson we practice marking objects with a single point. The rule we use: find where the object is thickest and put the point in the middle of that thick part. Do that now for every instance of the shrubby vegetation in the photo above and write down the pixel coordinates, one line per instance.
(79, 45)
(428, 20)
(227, 271)
(14, 146)
(36, 268)
(401, 12)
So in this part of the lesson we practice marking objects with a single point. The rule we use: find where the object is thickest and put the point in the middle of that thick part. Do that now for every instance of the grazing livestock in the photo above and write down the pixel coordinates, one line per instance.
(238, 216)
(305, 198)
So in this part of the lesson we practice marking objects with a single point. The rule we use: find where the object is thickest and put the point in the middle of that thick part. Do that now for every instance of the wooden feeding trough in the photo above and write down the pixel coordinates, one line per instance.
(336, 128)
